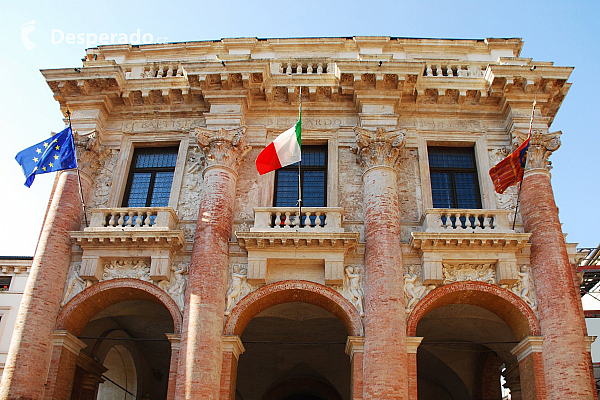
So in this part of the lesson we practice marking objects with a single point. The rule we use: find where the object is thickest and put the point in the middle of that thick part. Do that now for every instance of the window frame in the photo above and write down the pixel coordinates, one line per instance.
(129, 143)
(453, 172)
(305, 168)
(477, 140)
(153, 172)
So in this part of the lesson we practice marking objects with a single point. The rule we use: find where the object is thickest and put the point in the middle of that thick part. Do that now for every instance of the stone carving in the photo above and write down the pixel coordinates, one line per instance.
(541, 147)
(352, 288)
(103, 181)
(137, 269)
(177, 285)
(469, 272)
(75, 284)
(524, 289)
(414, 290)
(89, 152)
(508, 199)
(225, 147)
(379, 147)
(189, 199)
(239, 286)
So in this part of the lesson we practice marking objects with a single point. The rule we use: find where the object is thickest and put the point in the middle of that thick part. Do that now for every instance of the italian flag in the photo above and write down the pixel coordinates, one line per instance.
(284, 150)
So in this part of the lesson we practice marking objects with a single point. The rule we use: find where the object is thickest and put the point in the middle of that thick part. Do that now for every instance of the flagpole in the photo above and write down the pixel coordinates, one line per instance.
(78, 175)
(526, 158)
(300, 163)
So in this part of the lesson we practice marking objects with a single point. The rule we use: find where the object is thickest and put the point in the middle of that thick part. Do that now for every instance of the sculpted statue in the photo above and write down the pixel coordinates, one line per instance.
(239, 287)
(352, 289)
(413, 290)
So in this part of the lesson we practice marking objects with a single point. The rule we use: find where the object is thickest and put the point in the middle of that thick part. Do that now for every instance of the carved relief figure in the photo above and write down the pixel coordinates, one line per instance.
(352, 288)
(523, 288)
(469, 272)
(413, 290)
(103, 181)
(177, 285)
(126, 269)
(189, 201)
(238, 288)
(76, 284)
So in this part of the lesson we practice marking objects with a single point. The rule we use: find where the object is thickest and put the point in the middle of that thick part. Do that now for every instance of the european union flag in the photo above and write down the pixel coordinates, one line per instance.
(54, 154)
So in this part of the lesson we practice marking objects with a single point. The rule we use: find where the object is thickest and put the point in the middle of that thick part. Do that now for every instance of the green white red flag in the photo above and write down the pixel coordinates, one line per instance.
(284, 150)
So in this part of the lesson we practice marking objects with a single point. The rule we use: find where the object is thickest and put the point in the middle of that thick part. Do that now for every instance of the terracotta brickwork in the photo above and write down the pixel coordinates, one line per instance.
(218, 258)
(566, 360)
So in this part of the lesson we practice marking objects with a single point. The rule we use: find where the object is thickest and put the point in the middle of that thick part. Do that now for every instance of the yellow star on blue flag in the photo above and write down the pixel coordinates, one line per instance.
(34, 160)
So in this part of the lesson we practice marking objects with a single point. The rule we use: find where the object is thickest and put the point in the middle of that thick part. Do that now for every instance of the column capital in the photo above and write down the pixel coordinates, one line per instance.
(355, 344)
(529, 344)
(380, 147)
(232, 344)
(175, 339)
(412, 344)
(223, 147)
(89, 152)
(541, 147)
(67, 340)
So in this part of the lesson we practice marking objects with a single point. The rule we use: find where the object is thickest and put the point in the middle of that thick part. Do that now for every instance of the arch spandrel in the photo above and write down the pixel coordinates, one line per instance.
(82, 308)
(505, 304)
(293, 291)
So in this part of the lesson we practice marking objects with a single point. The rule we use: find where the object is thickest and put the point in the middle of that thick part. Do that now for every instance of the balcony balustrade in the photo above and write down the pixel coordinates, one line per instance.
(463, 220)
(314, 219)
(155, 218)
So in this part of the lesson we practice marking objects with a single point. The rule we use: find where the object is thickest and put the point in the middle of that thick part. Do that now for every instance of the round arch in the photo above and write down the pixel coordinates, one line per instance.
(81, 308)
(293, 291)
(504, 303)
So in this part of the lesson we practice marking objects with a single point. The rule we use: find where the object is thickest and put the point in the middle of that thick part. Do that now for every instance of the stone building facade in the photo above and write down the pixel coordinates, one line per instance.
(402, 276)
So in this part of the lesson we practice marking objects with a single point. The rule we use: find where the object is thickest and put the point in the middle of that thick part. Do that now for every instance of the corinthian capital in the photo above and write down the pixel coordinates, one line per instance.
(541, 147)
(224, 147)
(378, 148)
(89, 152)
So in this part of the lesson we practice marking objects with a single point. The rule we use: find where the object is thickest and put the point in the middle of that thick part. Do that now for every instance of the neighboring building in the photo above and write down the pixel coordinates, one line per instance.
(13, 277)
(192, 277)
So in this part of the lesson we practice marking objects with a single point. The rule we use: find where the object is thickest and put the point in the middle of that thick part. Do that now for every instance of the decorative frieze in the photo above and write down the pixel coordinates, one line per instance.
(378, 148)
(223, 147)
(469, 272)
(136, 269)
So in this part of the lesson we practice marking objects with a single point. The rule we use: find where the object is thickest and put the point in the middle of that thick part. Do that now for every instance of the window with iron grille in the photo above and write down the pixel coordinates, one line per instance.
(313, 180)
(5, 283)
(453, 173)
(150, 177)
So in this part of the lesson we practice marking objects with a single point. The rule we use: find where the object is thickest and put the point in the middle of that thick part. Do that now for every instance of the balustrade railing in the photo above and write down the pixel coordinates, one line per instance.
(300, 67)
(454, 70)
(461, 220)
(134, 218)
(272, 219)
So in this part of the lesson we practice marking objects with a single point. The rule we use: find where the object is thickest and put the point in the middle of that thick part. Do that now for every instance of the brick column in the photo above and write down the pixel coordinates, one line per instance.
(175, 340)
(355, 348)
(200, 361)
(30, 350)
(526, 379)
(566, 364)
(385, 359)
(412, 344)
(65, 349)
(232, 347)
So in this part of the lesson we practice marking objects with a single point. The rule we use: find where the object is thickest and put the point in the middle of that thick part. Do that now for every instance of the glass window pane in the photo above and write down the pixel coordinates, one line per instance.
(162, 189)
(314, 156)
(138, 192)
(156, 158)
(286, 194)
(441, 190)
(313, 189)
(442, 157)
(466, 195)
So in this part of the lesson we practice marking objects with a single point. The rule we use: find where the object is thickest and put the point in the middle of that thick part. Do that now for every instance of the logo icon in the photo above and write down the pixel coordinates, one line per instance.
(25, 31)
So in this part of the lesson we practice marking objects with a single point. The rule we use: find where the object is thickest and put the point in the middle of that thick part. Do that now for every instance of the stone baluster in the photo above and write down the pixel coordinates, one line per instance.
(385, 357)
(565, 358)
(438, 71)
(319, 68)
(200, 356)
(29, 355)
(309, 69)
(449, 71)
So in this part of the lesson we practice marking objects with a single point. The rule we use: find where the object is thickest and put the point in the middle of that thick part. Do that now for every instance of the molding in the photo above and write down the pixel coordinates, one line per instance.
(232, 344)
(529, 344)
(355, 344)
(412, 344)
(67, 340)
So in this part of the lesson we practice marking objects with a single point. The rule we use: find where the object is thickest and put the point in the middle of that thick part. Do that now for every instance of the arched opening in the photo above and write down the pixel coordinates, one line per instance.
(295, 335)
(468, 331)
(124, 324)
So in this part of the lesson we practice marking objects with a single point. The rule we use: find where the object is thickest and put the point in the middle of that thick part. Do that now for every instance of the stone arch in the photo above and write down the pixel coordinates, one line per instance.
(504, 303)
(293, 291)
(81, 308)
(291, 386)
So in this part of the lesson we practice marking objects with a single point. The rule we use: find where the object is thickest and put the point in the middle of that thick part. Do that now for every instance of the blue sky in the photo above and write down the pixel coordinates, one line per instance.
(558, 31)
